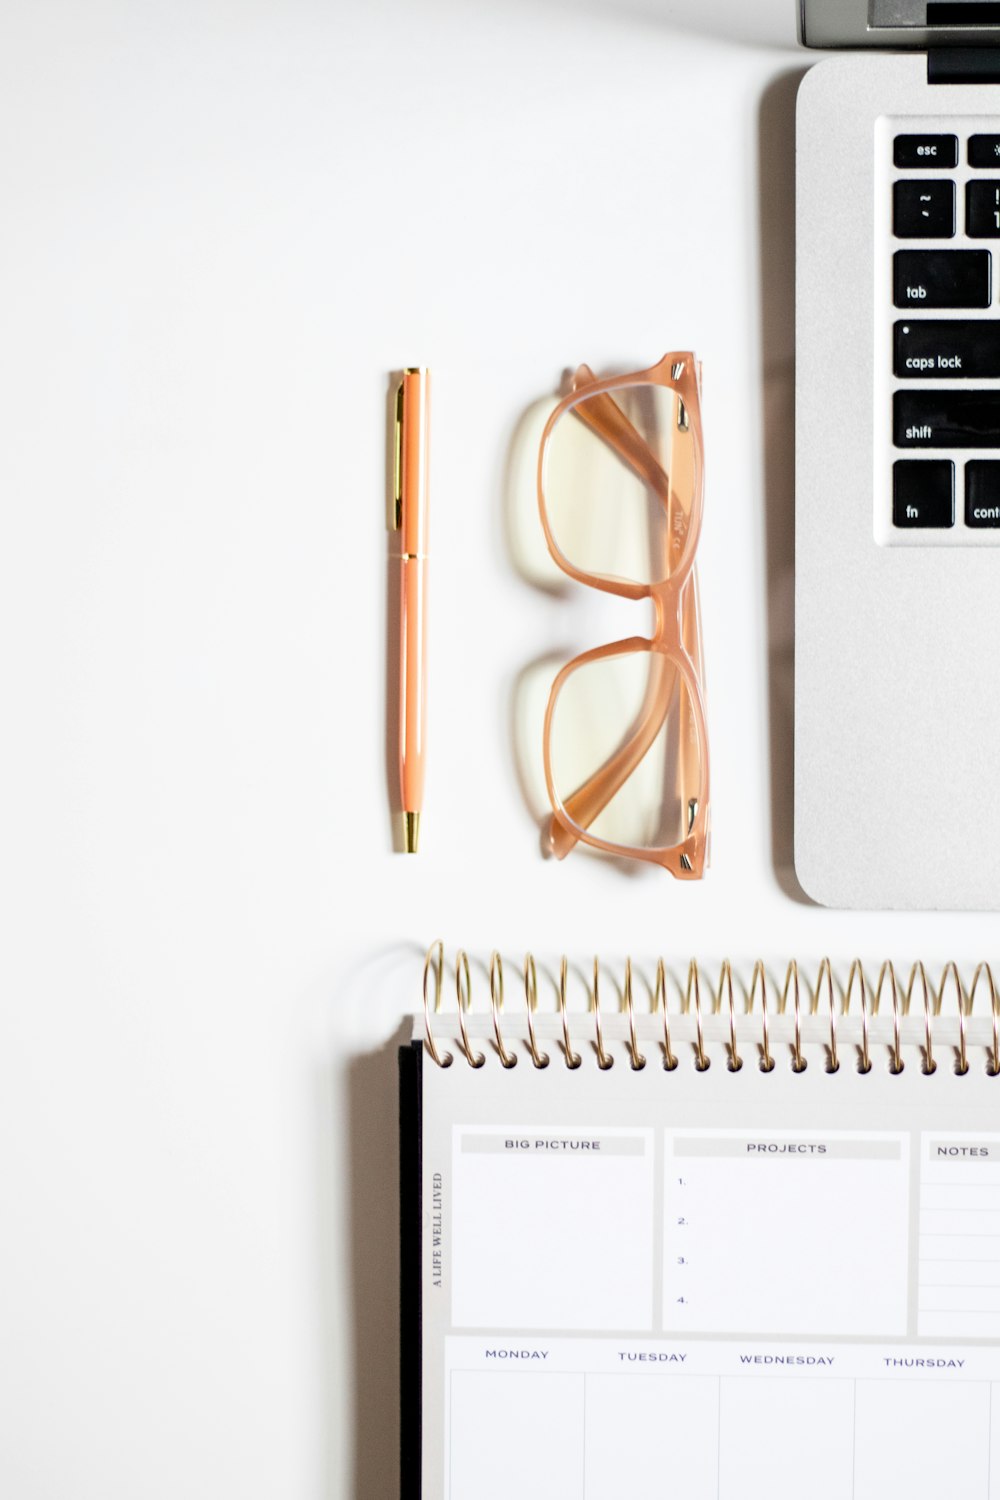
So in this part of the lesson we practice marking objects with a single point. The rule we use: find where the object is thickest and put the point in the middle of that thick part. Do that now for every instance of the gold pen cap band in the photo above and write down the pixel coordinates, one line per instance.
(412, 460)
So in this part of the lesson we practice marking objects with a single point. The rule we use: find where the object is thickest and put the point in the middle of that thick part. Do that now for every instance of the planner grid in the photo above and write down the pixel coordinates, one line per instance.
(735, 1278)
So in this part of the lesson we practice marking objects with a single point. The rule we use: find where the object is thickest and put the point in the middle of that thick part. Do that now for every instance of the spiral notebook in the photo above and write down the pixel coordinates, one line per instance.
(686, 1256)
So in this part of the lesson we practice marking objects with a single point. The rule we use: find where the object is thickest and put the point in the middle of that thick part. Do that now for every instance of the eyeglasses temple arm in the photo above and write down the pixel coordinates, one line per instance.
(603, 415)
(592, 797)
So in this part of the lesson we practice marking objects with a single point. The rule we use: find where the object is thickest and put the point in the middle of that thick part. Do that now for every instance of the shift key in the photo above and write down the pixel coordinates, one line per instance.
(941, 278)
(946, 418)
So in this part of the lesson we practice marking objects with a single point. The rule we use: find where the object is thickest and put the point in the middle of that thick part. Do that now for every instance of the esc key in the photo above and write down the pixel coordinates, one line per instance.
(925, 151)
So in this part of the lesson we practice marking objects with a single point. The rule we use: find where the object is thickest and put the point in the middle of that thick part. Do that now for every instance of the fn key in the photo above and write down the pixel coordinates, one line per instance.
(923, 492)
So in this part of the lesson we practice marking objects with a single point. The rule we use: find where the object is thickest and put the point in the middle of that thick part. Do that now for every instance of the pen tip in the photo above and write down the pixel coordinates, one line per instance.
(411, 831)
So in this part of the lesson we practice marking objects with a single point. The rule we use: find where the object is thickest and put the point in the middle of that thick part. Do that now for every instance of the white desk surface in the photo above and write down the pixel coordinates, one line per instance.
(224, 224)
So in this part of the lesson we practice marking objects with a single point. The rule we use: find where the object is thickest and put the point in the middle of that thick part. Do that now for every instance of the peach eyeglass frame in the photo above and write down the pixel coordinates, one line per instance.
(676, 641)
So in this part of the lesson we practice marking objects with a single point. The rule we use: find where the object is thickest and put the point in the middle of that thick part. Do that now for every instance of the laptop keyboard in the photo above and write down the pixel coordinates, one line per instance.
(938, 333)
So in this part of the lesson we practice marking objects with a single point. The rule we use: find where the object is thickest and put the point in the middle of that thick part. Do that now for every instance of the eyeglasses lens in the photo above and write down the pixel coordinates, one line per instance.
(619, 480)
(624, 750)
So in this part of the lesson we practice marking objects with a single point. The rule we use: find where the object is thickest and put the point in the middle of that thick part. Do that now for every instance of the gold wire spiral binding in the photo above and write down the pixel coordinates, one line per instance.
(691, 1002)
(825, 969)
(660, 998)
(994, 1064)
(792, 978)
(702, 1063)
(474, 1059)
(573, 1059)
(638, 1061)
(865, 1065)
(540, 1059)
(726, 978)
(604, 1061)
(950, 968)
(759, 972)
(930, 1066)
(896, 1066)
(434, 962)
(508, 1059)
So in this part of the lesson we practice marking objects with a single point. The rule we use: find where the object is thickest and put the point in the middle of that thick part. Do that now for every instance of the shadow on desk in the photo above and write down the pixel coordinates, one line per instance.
(776, 159)
(373, 1094)
(357, 1147)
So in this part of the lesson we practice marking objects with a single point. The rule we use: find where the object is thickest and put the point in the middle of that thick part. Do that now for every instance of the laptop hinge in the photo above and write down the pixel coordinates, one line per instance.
(963, 65)
(921, 25)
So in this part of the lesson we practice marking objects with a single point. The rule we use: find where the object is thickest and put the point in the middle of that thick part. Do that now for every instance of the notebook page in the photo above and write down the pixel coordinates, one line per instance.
(749, 1282)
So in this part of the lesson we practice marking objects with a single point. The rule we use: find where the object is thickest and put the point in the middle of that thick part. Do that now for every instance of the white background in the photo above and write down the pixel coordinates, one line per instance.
(224, 224)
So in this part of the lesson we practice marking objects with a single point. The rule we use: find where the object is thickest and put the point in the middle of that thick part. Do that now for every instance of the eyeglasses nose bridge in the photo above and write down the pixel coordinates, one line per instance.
(668, 621)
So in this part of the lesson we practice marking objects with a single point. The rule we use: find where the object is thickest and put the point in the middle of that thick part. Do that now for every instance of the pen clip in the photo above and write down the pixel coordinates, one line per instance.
(397, 462)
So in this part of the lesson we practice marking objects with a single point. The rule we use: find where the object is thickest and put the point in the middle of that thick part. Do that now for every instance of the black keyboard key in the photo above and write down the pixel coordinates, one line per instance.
(923, 210)
(982, 209)
(946, 349)
(946, 419)
(923, 492)
(984, 151)
(982, 493)
(941, 278)
(925, 151)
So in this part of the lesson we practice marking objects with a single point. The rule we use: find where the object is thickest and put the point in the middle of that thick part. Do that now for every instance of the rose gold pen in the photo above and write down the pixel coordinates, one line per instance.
(410, 524)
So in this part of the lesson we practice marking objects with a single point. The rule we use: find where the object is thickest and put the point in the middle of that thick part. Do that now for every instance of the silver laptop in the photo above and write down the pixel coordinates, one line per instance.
(897, 613)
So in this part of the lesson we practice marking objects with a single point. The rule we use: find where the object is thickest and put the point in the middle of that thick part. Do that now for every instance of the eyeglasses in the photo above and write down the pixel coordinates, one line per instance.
(620, 471)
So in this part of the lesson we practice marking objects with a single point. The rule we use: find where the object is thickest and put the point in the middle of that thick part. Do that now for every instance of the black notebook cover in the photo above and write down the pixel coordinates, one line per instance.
(410, 1268)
